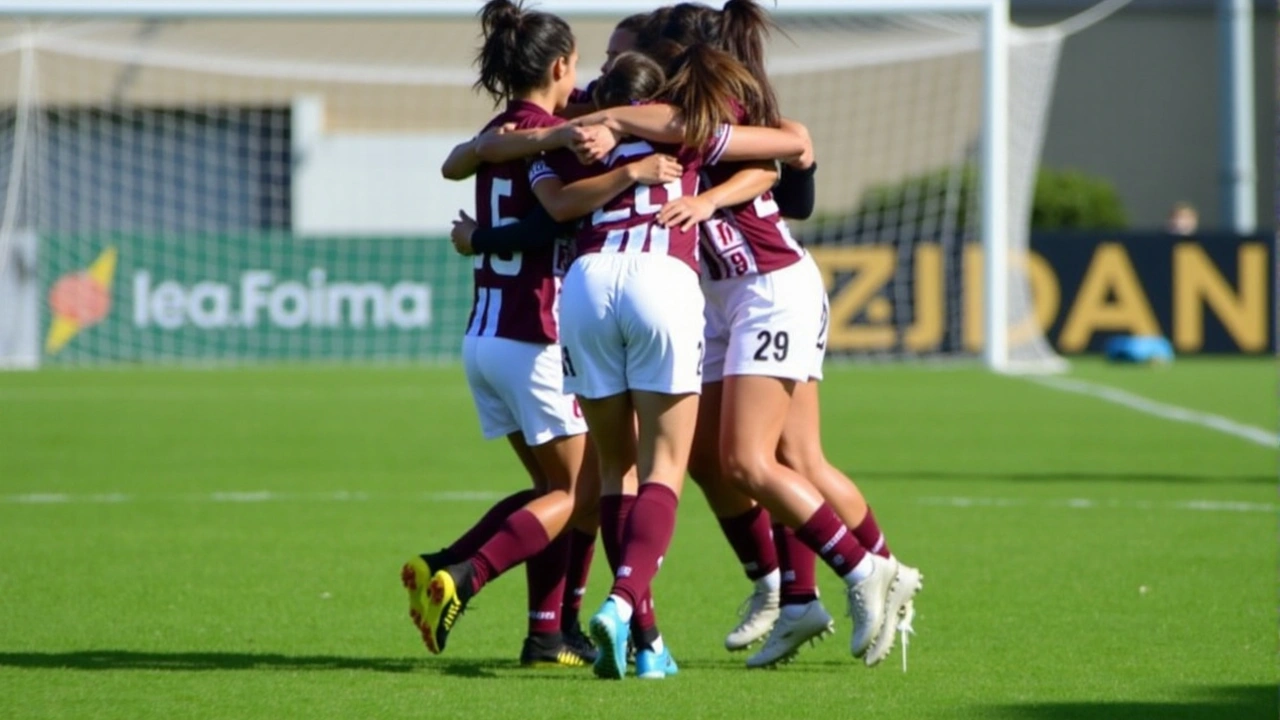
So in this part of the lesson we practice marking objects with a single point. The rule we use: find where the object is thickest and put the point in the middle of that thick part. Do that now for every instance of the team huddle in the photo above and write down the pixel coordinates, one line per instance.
(642, 312)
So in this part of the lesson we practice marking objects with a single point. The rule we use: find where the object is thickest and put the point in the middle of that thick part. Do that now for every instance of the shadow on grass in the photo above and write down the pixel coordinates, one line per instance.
(1038, 477)
(206, 661)
(1242, 702)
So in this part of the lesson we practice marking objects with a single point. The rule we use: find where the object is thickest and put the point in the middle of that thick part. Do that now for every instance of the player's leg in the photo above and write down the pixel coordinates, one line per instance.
(665, 434)
(801, 449)
(527, 377)
(659, 316)
(584, 526)
(802, 619)
(775, 334)
(744, 523)
(496, 420)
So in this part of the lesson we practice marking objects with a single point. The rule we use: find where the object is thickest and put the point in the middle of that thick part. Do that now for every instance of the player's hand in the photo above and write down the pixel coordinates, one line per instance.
(463, 228)
(806, 159)
(592, 143)
(502, 129)
(655, 170)
(686, 212)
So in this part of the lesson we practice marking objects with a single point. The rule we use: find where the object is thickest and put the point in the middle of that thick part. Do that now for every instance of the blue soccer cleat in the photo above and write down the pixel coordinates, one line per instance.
(652, 665)
(610, 635)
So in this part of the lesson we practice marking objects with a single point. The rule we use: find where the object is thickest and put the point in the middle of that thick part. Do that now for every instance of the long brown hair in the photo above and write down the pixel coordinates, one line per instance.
(745, 27)
(740, 30)
(707, 85)
(519, 48)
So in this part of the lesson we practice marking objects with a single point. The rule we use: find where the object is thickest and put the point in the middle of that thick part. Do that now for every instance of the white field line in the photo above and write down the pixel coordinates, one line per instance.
(1165, 411)
(1224, 506)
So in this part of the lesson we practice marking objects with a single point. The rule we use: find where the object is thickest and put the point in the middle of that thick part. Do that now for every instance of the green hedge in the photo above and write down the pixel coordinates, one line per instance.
(1064, 200)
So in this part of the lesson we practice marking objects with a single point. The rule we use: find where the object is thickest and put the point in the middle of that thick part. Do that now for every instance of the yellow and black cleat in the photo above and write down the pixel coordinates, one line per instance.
(416, 576)
(551, 651)
(447, 597)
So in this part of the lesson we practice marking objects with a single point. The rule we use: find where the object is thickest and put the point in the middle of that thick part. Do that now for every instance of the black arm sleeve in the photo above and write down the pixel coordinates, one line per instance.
(795, 192)
(538, 230)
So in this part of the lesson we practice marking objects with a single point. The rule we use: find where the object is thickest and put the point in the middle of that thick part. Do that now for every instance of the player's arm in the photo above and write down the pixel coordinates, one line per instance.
(518, 144)
(463, 161)
(570, 202)
(746, 185)
(535, 231)
(665, 124)
(745, 142)
(796, 193)
(655, 123)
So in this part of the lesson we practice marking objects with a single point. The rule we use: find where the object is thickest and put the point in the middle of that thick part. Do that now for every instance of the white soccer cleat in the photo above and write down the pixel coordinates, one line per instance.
(867, 601)
(899, 610)
(791, 632)
(759, 612)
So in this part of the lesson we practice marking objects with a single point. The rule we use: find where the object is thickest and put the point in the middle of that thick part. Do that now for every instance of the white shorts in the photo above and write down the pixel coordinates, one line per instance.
(631, 322)
(518, 386)
(773, 324)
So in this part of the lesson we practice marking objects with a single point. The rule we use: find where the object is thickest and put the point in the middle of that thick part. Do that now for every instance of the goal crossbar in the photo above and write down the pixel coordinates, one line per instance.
(437, 8)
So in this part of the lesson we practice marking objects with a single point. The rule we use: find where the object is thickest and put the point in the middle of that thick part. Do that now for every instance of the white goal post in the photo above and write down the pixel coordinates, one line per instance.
(992, 159)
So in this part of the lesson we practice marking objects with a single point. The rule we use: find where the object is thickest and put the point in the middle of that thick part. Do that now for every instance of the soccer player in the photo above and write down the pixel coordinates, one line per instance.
(771, 332)
(747, 240)
(512, 359)
(632, 317)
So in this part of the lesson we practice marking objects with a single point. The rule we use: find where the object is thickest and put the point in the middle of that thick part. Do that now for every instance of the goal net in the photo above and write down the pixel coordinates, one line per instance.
(217, 190)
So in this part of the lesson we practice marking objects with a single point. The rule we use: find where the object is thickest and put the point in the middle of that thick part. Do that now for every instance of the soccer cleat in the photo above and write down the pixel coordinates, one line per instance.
(906, 584)
(867, 600)
(791, 632)
(416, 576)
(579, 643)
(796, 625)
(447, 598)
(651, 665)
(759, 612)
(552, 651)
(610, 635)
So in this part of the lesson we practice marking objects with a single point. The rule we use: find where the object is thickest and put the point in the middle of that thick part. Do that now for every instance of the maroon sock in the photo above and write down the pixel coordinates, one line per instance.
(644, 623)
(752, 542)
(870, 536)
(582, 549)
(826, 534)
(520, 538)
(545, 578)
(484, 529)
(648, 535)
(614, 511)
(799, 567)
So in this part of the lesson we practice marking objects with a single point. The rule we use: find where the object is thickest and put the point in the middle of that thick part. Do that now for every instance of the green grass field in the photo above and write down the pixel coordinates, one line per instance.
(227, 544)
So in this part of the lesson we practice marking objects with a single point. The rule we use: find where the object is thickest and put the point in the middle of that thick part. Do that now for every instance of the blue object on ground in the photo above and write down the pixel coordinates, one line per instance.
(1139, 349)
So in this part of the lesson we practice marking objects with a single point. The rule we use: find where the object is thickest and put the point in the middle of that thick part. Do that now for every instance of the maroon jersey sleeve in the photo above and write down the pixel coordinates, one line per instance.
(717, 145)
(562, 165)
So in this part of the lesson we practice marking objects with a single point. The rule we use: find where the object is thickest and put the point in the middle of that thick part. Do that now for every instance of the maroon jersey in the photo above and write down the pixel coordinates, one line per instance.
(747, 239)
(515, 293)
(628, 223)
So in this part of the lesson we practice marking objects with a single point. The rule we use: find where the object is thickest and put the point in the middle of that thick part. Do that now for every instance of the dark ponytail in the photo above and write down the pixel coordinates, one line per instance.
(707, 85)
(633, 77)
(744, 27)
(740, 30)
(519, 48)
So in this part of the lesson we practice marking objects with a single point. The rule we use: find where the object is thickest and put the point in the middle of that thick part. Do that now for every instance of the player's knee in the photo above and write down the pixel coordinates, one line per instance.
(799, 460)
(746, 469)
